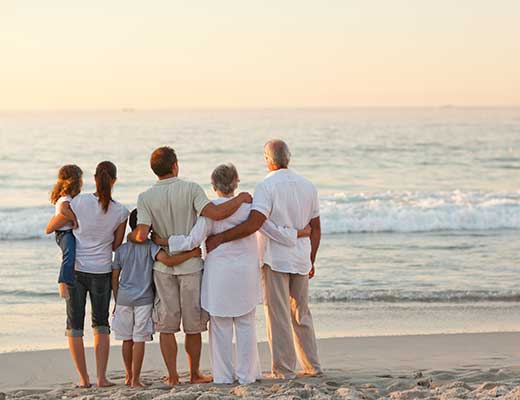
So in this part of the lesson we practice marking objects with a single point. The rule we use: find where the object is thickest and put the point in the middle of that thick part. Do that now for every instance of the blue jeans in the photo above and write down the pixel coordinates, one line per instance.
(67, 243)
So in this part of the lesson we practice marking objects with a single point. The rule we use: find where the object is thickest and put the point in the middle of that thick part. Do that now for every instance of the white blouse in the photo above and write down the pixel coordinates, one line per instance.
(95, 232)
(231, 282)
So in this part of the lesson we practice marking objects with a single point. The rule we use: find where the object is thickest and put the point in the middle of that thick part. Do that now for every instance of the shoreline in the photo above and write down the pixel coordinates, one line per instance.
(364, 364)
(115, 344)
(331, 320)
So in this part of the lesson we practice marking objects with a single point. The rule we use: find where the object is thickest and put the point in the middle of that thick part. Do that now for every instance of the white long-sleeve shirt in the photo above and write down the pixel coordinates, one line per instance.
(286, 199)
(231, 283)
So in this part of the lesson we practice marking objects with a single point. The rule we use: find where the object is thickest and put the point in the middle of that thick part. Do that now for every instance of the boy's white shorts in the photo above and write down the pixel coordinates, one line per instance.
(133, 323)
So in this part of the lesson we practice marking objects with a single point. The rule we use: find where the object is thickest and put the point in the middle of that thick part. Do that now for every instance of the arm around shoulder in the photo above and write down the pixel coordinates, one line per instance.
(253, 223)
(226, 209)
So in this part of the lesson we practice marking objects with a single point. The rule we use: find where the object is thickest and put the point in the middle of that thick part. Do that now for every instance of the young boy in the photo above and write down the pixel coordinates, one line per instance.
(132, 284)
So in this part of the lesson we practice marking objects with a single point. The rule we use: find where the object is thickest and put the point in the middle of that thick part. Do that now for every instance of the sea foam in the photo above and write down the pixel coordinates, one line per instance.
(420, 212)
(340, 295)
(355, 213)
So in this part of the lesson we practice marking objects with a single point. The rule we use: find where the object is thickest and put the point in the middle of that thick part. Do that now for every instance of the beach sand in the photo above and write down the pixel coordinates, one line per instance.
(455, 366)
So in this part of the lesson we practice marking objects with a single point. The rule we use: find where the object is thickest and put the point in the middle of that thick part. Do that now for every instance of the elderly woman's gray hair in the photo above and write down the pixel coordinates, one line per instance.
(225, 178)
(277, 153)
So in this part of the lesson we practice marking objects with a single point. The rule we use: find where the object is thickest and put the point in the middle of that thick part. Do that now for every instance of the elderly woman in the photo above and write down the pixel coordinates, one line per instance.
(231, 283)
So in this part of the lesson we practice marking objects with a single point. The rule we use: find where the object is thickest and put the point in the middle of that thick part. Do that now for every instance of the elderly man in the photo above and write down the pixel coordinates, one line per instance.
(289, 200)
(172, 206)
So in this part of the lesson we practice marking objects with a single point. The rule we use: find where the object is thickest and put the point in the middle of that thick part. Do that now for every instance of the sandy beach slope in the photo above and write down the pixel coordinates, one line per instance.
(458, 366)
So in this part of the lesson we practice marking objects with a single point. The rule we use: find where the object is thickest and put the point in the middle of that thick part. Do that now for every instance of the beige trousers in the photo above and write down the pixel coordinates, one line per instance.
(289, 323)
(177, 299)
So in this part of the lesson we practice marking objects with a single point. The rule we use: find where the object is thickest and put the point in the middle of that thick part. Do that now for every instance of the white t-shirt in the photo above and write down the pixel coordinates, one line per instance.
(95, 232)
(59, 205)
(288, 200)
(231, 283)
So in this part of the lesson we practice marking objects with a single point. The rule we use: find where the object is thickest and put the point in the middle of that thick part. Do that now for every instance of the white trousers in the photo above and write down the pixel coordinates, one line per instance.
(248, 368)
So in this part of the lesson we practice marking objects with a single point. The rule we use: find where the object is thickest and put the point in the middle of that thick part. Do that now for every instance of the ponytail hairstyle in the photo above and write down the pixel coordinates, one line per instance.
(68, 184)
(106, 173)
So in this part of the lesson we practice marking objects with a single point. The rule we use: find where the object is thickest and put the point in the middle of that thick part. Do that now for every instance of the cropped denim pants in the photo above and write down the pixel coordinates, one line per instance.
(67, 243)
(98, 287)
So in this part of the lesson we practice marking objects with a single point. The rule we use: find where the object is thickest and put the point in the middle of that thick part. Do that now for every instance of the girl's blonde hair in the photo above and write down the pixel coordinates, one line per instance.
(68, 184)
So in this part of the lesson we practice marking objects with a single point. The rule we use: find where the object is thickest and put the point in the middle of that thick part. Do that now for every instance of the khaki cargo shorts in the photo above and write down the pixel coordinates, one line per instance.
(177, 300)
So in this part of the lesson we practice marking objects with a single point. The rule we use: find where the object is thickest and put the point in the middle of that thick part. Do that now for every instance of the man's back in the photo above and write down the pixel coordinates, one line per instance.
(288, 200)
(171, 207)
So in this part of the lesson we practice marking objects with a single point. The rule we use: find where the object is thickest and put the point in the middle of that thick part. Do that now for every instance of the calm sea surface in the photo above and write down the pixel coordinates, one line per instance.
(420, 207)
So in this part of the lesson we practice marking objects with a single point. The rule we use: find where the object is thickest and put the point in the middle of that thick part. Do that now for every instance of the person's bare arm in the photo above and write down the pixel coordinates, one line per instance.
(226, 209)
(64, 217)
(119, 235)
(115, 284)
(139, 234)
(253, 223)
(176, 259)
(68, 213)
(315, 241)
(56, 223)
(159, 241)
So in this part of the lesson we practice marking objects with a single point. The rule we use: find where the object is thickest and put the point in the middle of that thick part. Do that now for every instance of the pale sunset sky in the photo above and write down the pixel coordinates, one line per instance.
(71, 54)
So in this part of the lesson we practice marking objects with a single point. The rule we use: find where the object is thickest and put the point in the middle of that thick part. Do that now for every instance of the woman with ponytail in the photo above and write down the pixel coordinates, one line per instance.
(100, 231)
(106, 175)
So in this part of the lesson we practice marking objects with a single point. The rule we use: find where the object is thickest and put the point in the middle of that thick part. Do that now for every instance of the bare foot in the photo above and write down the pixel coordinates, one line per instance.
(84, 383)
(171, 381)
(137, 384)
(199, 378)
(64, 291)
(310, 373)
(105, 383)
(128, 380)
(278, 376)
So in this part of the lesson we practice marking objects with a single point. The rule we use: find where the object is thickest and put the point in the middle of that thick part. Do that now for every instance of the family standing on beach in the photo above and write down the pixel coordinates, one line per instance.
(160, 282)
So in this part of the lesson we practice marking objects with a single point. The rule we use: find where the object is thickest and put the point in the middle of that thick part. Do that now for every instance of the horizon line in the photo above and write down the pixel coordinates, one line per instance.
(130, 109)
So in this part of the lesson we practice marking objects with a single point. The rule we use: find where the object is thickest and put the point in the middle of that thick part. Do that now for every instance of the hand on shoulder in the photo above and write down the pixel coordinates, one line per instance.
(245, 197)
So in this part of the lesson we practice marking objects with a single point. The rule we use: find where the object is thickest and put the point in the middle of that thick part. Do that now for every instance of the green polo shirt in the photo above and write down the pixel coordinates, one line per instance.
(171, 207)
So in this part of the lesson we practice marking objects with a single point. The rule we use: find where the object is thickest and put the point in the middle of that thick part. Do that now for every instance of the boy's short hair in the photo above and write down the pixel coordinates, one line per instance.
(132, 221)
(162, 159)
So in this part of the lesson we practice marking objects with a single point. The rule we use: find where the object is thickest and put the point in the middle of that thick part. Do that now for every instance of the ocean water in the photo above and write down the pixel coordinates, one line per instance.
(420, 207)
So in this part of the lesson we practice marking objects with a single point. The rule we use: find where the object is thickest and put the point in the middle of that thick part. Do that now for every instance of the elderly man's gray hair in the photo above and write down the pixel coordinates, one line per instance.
(277, 153)
(225, 178)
